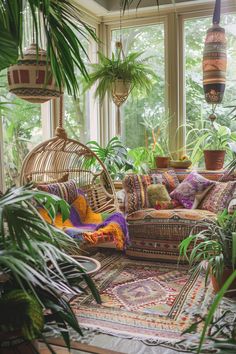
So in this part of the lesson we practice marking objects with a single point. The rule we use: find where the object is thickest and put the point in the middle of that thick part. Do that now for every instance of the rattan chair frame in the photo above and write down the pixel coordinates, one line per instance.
(61, 157)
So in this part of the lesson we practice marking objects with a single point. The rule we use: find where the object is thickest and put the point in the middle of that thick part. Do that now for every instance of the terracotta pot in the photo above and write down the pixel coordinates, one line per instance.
(162, 161)
(214, 159)
(218, 285)
(12, 343)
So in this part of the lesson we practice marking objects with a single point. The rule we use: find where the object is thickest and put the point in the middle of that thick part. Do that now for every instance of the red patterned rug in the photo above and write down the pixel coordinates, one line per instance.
(150, 301)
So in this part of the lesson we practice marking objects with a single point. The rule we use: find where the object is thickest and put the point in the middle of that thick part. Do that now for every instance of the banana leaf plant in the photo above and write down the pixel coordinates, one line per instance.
(37, 273)
(60, 23)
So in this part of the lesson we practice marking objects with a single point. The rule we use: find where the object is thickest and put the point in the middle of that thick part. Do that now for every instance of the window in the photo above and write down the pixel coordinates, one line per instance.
(81, 113)
(142, 116)
(197, 110)
(21, 130)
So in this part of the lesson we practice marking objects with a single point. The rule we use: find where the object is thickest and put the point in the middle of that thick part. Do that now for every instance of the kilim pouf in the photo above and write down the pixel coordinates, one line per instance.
(156, 234)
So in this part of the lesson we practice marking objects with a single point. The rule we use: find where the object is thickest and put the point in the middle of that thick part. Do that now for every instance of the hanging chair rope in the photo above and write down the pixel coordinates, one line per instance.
(60, 131)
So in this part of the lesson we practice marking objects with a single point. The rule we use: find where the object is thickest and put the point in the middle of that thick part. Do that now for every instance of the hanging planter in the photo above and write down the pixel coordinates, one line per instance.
(31, 78)
(215, 60)
(120, 91)
(120, 75)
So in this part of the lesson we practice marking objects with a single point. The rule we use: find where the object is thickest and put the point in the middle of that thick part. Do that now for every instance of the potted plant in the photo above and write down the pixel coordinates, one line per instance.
(60, 23)
(118, 76)
(36, 272)
(213, 141)
(214, 247)
(114, 156)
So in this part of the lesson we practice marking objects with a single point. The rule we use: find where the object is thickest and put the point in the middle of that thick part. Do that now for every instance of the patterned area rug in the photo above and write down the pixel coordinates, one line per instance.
(150, 301)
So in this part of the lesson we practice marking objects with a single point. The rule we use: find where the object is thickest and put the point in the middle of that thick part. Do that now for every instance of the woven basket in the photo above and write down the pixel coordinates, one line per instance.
(31, 78)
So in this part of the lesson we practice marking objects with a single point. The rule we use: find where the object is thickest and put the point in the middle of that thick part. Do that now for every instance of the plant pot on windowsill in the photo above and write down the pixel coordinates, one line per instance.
(162, 161)
(217, 285)
(214, 159)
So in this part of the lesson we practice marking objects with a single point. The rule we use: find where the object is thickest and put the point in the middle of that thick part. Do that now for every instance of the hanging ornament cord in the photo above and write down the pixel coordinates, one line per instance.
(216, 15)
(215, 21)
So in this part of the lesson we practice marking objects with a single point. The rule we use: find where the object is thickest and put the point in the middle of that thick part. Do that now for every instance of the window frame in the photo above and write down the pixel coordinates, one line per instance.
(173, 18)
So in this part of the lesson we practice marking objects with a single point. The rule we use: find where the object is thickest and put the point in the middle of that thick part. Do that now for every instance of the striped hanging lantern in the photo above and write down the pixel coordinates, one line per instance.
(31, 78)
(215, 60)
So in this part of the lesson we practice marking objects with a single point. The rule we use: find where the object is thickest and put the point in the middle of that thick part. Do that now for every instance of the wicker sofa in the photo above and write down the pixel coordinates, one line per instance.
(156, 234)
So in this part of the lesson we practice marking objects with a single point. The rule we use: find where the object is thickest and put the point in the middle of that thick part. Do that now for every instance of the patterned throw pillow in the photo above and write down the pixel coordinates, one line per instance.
(135, 187)
(157, 192)
(186, 192)
(171, 204)
(65, 190)
(218, 198)
(170, 180)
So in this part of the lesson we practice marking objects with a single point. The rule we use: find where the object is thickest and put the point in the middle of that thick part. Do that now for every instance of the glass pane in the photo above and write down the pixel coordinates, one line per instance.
(142, 116)
(78, 111)
(22, 130)
(197, 110)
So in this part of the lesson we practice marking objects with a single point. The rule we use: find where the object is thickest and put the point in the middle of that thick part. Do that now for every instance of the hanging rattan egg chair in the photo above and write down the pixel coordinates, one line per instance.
(60, 157)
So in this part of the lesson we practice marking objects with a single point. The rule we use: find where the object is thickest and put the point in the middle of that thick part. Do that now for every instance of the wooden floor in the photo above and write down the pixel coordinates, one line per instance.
(59, 347)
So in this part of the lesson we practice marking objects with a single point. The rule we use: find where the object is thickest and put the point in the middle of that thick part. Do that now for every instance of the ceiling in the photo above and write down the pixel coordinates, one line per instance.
(114, 5)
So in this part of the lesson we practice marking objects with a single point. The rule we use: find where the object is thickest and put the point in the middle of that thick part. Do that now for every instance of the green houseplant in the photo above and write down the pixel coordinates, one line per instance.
(213, 140)
(216, 245)
(114, 156)
(121, 75)
(34, 286)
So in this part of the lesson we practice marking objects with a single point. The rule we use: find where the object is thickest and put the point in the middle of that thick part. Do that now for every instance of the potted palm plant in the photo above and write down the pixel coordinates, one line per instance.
(216, 247)
(118, 76)
(37, 274)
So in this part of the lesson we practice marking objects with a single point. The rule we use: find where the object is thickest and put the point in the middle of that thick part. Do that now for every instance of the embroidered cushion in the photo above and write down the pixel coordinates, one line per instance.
(157, 192)
(65, 190)
(186, 192)
(165, 205)
(170, 180)
(135, 187)
(218, 198)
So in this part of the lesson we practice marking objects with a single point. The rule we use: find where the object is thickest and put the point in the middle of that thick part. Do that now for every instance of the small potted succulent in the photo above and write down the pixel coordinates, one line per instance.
(214, 248)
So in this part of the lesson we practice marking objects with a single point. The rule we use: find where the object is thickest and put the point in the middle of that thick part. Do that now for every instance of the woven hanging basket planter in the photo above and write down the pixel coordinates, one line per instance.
(31, 78)
(120, 91)
(215, 60)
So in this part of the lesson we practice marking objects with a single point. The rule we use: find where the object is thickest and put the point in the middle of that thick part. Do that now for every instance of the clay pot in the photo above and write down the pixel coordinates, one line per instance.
(162, 161)
(214, 159)
(218, 285)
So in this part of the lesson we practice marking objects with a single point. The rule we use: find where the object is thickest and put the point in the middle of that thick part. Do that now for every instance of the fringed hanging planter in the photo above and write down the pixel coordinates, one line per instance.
(215, 60)
(31, 78)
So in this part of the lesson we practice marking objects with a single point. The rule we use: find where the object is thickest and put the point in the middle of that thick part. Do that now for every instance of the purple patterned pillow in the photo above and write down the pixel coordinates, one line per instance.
(65, 190)
(192, 185)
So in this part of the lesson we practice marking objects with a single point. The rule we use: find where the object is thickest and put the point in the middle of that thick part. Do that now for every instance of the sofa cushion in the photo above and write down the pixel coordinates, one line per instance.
(156, 234)
(135, 187)
(194, 184)
(171, 204)
(157, 192)
(218, 198)
(65, 190)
